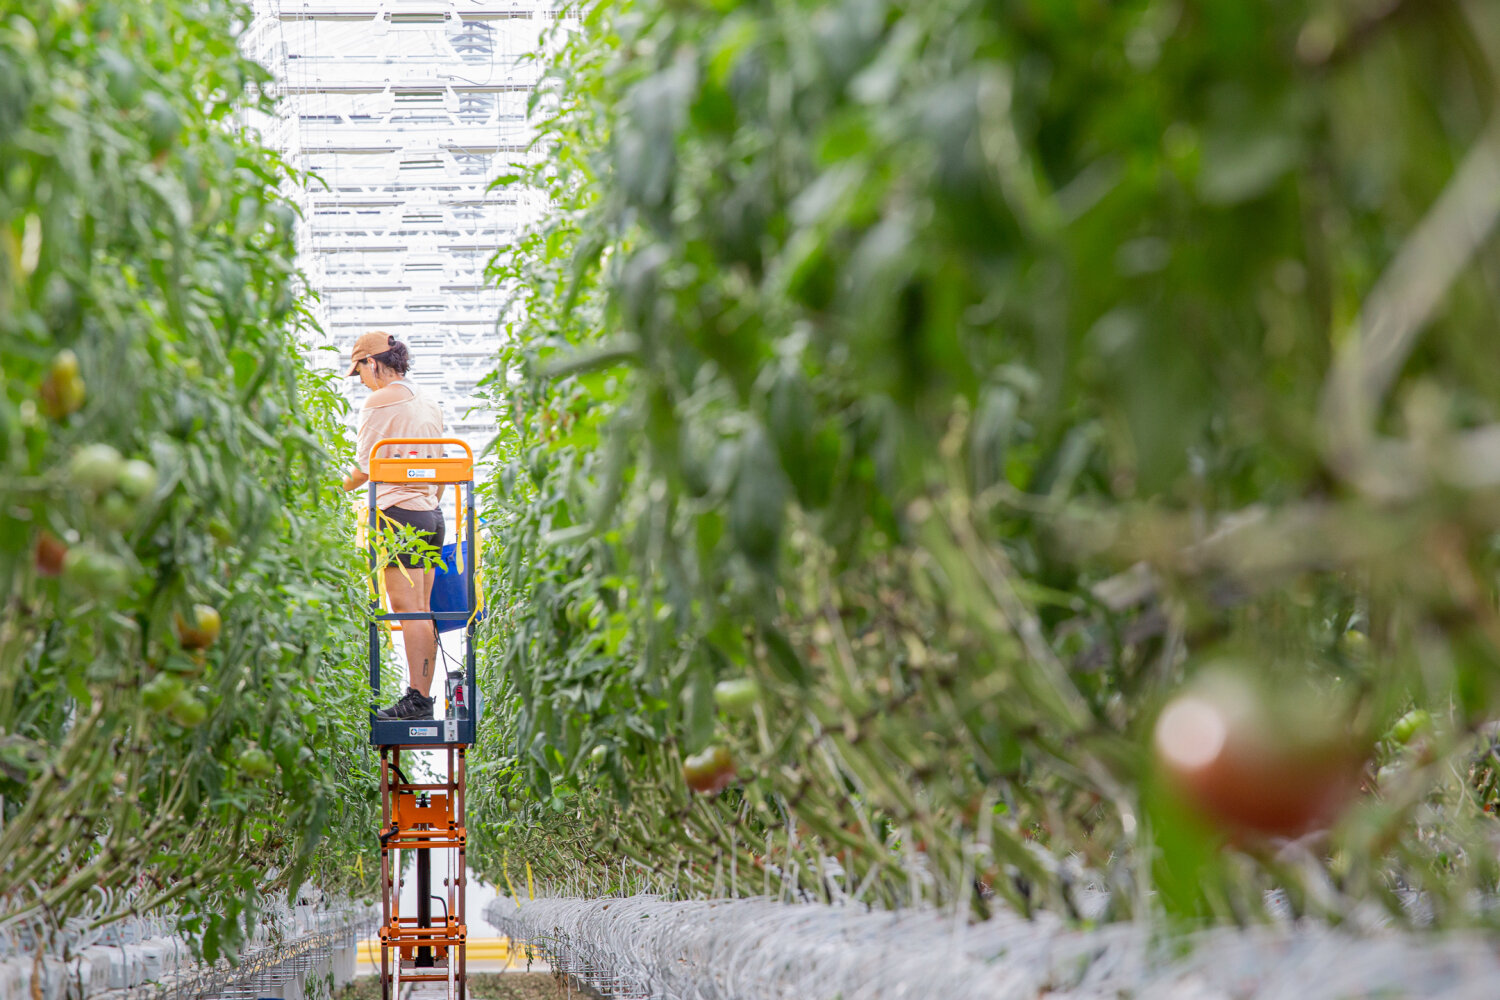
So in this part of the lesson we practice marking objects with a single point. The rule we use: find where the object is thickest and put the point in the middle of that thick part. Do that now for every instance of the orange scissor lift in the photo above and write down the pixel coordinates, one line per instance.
(425, 816)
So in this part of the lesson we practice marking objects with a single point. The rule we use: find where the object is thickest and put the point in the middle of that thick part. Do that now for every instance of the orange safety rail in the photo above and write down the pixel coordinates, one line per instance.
(423, 471)
(406, 840)
(405, 930)
(408, 937)
(429, 976)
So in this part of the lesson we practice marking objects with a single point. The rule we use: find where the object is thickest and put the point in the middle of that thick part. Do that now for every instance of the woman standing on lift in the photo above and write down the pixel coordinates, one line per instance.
(397, 409)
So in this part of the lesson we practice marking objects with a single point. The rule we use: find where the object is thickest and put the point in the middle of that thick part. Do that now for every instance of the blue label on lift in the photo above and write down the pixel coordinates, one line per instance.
(417, 731)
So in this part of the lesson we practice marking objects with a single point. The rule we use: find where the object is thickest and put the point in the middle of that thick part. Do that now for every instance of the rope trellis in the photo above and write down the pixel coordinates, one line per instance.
(649, 948)
(288, 944)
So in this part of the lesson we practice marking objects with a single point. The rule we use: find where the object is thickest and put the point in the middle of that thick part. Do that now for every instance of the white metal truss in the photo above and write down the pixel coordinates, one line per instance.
(400, 113)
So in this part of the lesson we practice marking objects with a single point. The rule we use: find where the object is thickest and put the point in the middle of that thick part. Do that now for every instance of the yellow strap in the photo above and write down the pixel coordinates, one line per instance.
(362, 533)
(459, 532)
(478, 576)
(380, 588)
(505, 869)
(375, 581)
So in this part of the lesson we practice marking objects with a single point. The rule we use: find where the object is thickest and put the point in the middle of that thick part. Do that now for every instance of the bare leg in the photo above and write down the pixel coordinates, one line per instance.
(411, 590)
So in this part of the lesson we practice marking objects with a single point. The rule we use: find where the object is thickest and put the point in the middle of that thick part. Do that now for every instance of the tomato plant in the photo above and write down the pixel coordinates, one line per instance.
(167, 465)
(963, 374)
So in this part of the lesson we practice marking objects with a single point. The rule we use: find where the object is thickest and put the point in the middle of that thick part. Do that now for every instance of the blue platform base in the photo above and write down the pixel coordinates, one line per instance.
(420, 732)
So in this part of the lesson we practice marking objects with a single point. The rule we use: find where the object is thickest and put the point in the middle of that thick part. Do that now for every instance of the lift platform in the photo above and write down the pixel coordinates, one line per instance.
(458, 723)
(424, 817)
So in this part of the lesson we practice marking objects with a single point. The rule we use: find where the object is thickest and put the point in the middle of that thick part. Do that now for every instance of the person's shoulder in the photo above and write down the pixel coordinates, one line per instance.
(385, 397)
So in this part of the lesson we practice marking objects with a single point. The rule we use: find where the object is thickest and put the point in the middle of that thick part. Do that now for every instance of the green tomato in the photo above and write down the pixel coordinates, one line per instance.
(255, 762)
(61, 395)
(118, 512)
(599, 754)
(738, 696)
(160, 691)
(1414, 723)
(186, 710)
(95, 573)
(95, 468)
(137, 479)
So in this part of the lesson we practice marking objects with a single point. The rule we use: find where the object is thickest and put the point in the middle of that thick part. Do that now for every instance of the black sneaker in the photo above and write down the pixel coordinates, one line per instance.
(413, 705)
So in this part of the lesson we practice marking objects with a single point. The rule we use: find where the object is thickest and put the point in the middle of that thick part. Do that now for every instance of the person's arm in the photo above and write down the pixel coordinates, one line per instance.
(355, 479)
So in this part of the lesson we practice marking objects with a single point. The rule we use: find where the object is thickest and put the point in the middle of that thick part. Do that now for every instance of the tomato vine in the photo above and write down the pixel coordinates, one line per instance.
(956, 373)
(181, 703)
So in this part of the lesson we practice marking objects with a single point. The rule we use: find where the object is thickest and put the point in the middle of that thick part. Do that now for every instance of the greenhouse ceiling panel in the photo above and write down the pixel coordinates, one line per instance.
(401, 114)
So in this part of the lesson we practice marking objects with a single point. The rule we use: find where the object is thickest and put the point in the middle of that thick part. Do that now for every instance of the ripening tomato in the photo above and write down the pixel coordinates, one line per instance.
(62, 390)
(711, 771)
(1254, 761)
(201, 631)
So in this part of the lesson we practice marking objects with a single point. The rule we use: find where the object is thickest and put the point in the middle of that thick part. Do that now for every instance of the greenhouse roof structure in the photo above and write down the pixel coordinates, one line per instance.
(401, 114)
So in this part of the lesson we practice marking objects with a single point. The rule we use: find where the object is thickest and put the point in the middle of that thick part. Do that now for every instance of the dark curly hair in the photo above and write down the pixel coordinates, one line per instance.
(396, 357)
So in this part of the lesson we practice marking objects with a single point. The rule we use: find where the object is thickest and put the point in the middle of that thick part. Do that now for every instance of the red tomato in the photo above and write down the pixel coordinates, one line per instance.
(1225, 750)
(50, 553)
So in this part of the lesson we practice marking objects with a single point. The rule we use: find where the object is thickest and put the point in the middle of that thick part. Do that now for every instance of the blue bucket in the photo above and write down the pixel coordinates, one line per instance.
(450, 588)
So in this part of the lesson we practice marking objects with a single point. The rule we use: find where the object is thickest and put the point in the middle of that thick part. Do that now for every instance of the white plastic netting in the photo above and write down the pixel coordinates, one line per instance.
(747, 949)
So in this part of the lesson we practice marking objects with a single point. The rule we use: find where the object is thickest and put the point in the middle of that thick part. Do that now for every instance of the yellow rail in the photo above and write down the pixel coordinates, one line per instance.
(480, 950)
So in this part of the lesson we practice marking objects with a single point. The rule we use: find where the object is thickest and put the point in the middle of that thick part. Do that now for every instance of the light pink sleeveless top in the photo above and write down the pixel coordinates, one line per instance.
(413, 417)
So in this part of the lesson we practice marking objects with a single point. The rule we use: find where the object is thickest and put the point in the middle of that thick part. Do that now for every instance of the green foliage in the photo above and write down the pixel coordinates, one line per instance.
(966, 374)
(163, 446)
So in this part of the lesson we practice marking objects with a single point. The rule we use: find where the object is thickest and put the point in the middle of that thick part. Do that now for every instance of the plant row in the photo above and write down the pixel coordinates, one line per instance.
(964, 450)
(180, 697)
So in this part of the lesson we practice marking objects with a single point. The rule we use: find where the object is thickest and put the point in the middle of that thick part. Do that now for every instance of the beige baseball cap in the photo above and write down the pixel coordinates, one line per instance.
(374, 342)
